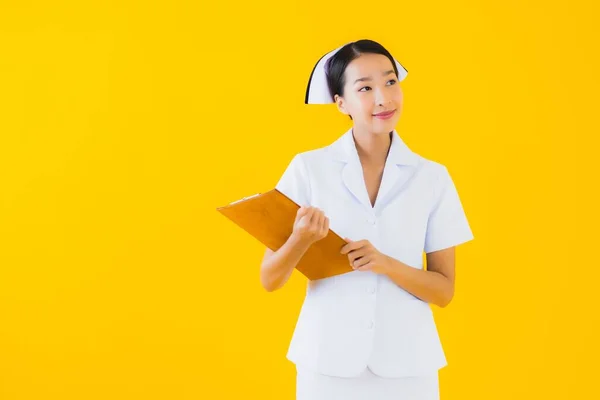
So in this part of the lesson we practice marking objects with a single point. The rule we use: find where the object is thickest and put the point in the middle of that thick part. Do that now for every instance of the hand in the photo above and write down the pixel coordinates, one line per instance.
(311, 225)
(363, 256)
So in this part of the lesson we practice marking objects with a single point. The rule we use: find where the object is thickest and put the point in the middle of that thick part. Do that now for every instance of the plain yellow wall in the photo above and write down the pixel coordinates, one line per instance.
(124, 124)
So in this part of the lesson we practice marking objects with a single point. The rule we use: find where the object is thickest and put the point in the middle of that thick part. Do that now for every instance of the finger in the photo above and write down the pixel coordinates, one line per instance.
(301, 212)
(314, 215)
(355, 254)
(320, 222)
(314, 221)
(365, 243)
(351, 246)
(366, 267)
(309, 214)
(326, 227)
(359, 262)
(347, 240)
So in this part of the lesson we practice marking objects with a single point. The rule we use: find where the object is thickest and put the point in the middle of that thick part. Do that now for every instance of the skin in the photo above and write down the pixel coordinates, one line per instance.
(371, 87)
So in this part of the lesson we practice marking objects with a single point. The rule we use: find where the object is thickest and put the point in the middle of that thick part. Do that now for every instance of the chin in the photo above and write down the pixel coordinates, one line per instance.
(385, 125)
(379, 130)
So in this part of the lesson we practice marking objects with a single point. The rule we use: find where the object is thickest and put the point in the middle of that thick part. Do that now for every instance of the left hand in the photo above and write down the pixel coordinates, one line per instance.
(363, 256)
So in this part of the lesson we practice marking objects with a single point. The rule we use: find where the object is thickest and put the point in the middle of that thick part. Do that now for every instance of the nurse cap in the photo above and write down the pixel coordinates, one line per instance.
(317, 91)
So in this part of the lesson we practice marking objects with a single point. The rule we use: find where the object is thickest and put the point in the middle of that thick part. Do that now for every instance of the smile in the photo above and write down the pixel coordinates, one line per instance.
(385, 115)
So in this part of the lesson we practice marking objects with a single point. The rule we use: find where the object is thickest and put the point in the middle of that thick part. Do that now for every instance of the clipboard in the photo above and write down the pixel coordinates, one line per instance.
(269, 217)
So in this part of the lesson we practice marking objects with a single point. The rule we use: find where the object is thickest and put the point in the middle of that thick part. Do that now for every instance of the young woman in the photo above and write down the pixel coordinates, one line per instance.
(370, 333)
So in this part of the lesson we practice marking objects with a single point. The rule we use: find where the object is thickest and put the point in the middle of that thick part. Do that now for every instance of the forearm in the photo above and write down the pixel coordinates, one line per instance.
(429, 286)
(276, 270)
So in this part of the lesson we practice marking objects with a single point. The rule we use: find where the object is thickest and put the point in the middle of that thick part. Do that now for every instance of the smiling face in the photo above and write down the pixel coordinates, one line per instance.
(370, 88)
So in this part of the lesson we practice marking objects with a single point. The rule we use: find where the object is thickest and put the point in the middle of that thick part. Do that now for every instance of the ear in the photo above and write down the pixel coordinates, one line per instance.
(339, 102)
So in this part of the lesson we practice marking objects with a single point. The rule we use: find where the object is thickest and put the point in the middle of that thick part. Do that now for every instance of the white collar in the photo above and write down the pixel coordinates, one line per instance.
(395, 174)
(344, 149)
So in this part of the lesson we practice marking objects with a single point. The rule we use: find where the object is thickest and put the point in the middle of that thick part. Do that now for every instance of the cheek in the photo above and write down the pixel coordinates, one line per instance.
(366, 105)
(399, 101)
(359, 106)
(399, 97)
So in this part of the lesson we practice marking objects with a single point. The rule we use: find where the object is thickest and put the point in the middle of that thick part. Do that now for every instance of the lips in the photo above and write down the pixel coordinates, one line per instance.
(386, 114)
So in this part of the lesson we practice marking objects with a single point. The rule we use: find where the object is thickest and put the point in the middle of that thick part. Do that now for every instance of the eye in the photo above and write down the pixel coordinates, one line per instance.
(393, 82)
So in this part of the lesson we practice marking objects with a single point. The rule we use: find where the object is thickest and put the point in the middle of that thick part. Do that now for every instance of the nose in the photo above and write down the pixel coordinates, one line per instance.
(382, 96)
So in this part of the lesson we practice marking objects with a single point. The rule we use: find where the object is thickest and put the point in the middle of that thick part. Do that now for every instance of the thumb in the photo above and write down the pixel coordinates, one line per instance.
(348, 240)
(301, 211)
(298, 215)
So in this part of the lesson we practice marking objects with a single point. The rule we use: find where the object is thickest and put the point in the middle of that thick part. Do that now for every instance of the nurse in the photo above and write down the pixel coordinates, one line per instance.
(370, 333)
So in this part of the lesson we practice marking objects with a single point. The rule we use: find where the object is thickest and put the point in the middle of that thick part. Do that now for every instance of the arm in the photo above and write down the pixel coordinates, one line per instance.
(447, 227)
(310, 225)
(434, 285)
(277, 266)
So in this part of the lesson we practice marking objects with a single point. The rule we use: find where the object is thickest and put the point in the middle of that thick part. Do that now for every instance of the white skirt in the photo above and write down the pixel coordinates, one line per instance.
(367, 386)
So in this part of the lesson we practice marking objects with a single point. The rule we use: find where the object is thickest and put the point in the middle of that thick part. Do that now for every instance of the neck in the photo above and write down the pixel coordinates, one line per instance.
(372, 148)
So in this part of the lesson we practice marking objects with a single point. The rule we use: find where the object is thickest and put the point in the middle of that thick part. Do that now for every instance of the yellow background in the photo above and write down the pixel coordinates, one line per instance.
(124, 124)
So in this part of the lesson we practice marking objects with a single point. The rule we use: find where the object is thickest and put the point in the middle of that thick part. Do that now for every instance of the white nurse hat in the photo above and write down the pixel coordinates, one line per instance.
(317, 91)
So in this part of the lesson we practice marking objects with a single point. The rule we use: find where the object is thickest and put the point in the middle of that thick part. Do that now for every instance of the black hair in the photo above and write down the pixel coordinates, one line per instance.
(336, 65)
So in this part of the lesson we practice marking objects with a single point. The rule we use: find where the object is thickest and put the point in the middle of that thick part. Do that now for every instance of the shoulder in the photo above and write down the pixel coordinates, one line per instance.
(433, 171)
(303, 170)
(311, 159)
(433, 177)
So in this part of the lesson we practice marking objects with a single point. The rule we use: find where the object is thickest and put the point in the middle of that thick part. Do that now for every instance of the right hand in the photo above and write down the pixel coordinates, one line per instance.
(311, 225)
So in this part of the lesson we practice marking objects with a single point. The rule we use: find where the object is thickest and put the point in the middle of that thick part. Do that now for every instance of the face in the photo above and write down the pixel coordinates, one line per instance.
(371, 87)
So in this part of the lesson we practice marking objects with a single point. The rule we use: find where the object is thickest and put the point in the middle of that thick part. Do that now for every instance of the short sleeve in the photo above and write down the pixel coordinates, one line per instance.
(447, 225)
(294, 182)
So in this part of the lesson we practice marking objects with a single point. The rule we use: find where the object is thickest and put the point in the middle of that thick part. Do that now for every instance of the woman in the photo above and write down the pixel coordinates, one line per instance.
(369, 333)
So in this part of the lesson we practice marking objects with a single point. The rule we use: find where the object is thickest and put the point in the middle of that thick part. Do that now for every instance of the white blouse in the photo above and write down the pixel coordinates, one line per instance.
(359, 319)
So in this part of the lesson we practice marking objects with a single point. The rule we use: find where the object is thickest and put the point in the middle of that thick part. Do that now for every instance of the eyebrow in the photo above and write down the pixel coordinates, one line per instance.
(366, 78)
